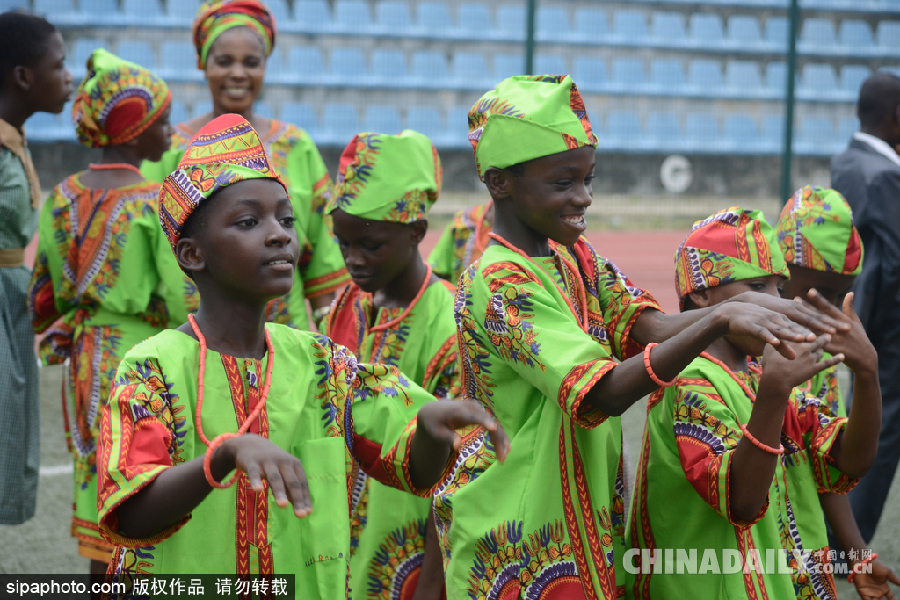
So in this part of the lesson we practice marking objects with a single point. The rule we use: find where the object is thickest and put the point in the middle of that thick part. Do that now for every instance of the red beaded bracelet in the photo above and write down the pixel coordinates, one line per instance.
(861, 563)
(650, 372)
(759, 444)
(207, 469)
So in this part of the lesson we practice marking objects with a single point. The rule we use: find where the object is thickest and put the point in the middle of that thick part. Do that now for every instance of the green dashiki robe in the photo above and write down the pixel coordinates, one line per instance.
(104, 280)
(388, 527)
(20, 440)
(335, 414)
(462, 243)
(681, 498)
(298, 162)
(549, 522)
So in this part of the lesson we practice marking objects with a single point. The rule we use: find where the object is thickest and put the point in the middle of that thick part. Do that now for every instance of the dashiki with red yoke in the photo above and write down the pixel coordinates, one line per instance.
(388, 526)
(535, 334)
(462, 242)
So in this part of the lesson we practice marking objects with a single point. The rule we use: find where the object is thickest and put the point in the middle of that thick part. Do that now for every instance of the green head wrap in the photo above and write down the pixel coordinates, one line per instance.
(528, 117)
(215, 18)
(385, 177)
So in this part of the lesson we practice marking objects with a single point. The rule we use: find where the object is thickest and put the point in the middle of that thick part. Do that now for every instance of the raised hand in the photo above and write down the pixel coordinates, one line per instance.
(261, 459)
(807, 361)
(874, 585)
(810, 317)
(853, 343)
(760, 322)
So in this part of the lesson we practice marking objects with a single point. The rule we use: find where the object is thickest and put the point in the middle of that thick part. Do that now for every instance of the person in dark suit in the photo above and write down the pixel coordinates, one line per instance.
(867, 174)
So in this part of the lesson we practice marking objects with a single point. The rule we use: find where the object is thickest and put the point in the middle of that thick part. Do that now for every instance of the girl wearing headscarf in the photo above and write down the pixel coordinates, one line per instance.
(103, 277)
(234, 39)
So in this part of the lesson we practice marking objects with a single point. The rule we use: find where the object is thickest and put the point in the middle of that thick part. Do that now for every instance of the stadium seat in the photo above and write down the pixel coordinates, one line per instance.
(550, 64)
(510, 22)
(623, 129)
(383, 119)
(179, 112)
(508, 65)
(60, 12)
(470, 71)
(667, 76)
(301, 115)
(389, 68)
(846, 128)
(817, 136)
(701, 132)
(351, 16)
(181, 12)
(629, 26)
(818, 82)
(627, 75)
(856, 36)
(705, 77)
(6, 5)
(456, 130)
(340, 122)
(776, 78)
(772, 133)
(706, 30)
(742, 78)
(777, 32)
(852, 78)
(306, 65)
(312, 16)
(817, 35)
(348, 66)
(473, 21)
(393, 18)
(667, 28)
(143, 12)
(46, 127)
(276, 72)
(740, 134)
(428, 121)
(434, 18)
(81, 52)
(664, 131)
(591, 25)
(744, 32)
(138, 52)
(552, 24)
(429, 69)
(178, 61)
(889, 36)
(280, 10)
(589, 74)
(105, 12)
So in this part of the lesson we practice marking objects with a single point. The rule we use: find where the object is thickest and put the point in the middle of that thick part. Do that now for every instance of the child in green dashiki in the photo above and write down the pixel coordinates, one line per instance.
(550, 335)
(167, 434)
(721, 436)
(824, 252)
(104, 279)
(396, 312)
(463, 242)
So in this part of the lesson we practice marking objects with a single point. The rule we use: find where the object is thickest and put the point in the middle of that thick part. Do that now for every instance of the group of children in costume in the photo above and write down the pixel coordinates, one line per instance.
(370, 461)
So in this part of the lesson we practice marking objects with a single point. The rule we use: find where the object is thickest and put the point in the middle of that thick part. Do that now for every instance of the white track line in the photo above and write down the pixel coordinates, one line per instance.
(57, 470)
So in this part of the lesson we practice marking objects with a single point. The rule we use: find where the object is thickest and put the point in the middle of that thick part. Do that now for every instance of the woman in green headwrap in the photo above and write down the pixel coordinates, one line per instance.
(234, 39)
(103, 279)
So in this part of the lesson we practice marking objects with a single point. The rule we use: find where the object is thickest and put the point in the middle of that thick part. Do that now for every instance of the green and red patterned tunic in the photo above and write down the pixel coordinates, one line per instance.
(681, 498)
(335, 414)
(388, 526)
(104, 280)
(549, 522)
(462, 242)
(298, 162)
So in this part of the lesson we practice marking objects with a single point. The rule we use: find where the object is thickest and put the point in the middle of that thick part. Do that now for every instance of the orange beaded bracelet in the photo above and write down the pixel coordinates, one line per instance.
(861, 563)
(207, 460)
(759, 444)
(650, 372)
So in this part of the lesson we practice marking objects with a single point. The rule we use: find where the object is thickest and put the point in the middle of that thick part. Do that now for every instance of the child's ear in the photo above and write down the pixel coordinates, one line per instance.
(23, 77)
(699, 299)
(498, 183)
(189, 255)
(418, 231)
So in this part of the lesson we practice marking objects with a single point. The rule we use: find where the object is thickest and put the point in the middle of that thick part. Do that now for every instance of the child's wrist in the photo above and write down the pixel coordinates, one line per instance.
(774, 386)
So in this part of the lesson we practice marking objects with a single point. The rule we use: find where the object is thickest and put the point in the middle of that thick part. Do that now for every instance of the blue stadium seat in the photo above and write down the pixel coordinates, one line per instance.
(744, 31)
(470, 71)
(178, 61)
(552, 24)
(701, 132)
(889, 36)
(852, 78)
(817, 136)
(348, 66)
(817, 35)
(456, 129)
(429, 69)
(264, 109)
(388, 68)
(664, 131)
(340, 122)
(705, 77)
(855, 35)
(628, 75)
(667, 28)
(772, 133)
(393, 18)
(550, 64)
(428, 121)
(143, 12)
(45, 127)
(818, 82)
(61, 12)
(6, 5)
(306, 65)
(776, 78)
(276, 72)
(434, 18)
(510, 22)
(351, 16)
(181, 12)
(629, 26)
(138, 52)
(508, 65)
(104, 12)
(383, 119)
(589, 74)
(667, 76)
(623, 129)
(473, 21)
(81, 52)
(281, 11)
(301, 115)
(590, 25)
(740, 134)
(742, 78)
(846, 128)
(312, 16)
(777, 32)
(179, 112)
(706, 30)
(200, 108)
